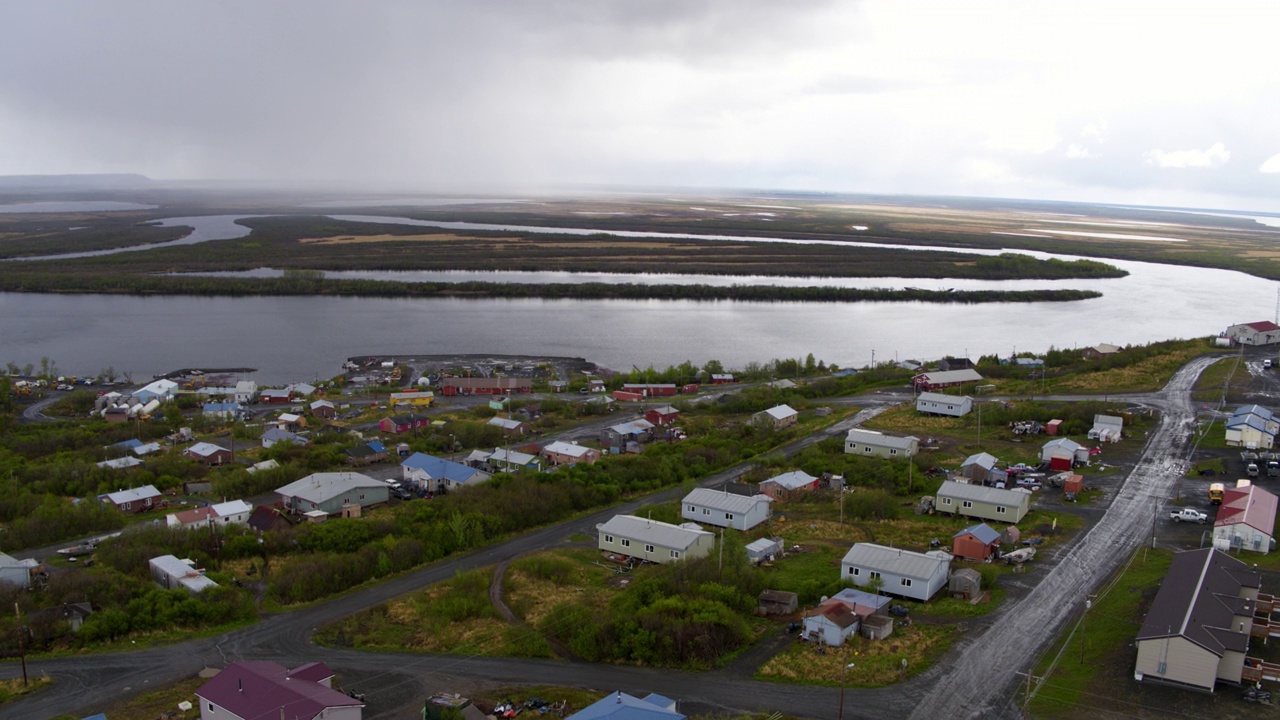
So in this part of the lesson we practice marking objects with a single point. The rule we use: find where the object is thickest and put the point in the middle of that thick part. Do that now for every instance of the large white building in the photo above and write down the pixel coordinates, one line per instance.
(656, 542)
(869, 442)
(899, 572)
(724, 509)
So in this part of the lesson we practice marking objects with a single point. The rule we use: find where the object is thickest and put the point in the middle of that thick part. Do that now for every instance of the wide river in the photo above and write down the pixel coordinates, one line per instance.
(304, 338)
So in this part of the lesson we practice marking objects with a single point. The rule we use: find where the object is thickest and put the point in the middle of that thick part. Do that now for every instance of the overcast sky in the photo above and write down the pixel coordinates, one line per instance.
(1170, 103)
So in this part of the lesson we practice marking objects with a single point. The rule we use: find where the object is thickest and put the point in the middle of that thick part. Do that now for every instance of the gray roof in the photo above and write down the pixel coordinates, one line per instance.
(1067, 444)
(953, 376)
(792, 480)
(724, 500)
(942, 398)
(1199, 600)
(905, 563)
(780, 412)
(982, 531)
(139, 493)
(878, 439)
(985, 460)
(319, 487)
(567, 448)
(982, 493)
(675, 537)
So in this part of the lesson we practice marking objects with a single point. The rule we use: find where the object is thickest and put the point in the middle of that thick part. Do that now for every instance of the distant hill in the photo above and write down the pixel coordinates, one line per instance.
(106, 181)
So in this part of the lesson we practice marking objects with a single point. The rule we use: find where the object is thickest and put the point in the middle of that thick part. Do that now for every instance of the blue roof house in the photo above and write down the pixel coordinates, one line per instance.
(439, 475)
(621, 706)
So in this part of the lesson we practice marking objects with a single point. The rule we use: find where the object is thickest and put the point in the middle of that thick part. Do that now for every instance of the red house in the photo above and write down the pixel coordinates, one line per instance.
(399, 424)
(662, 416)
(451, 386)
(978, 542)
(651, 389)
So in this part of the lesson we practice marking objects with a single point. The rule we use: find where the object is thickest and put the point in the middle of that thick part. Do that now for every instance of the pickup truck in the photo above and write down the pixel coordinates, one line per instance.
(1188, 515)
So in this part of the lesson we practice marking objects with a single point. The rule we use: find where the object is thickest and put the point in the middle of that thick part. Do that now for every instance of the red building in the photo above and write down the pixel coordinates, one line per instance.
(978, 542)
(624, 396)
(662, 416)
(651, 389)
(451, 386)
(398, 424)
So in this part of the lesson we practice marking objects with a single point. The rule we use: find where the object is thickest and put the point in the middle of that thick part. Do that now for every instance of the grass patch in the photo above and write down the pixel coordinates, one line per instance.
(1146, 375)
(1103, 643)
(1221, 380)
(156, 703)
(876, 663)
(12, 689)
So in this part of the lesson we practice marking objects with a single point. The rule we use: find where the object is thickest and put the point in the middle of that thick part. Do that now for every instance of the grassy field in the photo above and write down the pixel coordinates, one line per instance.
(1147, 375)
(11, 690)
(876, 663)
(1221, 380)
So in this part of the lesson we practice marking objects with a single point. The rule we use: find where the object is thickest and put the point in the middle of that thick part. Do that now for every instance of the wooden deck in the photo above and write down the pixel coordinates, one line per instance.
(1256, 670)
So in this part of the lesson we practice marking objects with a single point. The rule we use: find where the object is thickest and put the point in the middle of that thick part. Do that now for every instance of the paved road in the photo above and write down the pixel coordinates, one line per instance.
(88, 683)
(979, 683)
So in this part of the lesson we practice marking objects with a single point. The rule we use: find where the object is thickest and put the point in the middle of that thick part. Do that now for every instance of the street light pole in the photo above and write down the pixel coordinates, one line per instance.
(843, 671)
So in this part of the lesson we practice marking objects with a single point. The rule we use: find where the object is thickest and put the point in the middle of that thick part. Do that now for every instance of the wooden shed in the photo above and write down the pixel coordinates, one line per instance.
(1073, 484)
(777, 602)
(1052, 427)
(965, 583)
(877, 627)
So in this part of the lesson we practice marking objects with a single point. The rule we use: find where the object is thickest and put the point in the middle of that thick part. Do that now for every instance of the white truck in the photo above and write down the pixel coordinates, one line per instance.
(1188, 515)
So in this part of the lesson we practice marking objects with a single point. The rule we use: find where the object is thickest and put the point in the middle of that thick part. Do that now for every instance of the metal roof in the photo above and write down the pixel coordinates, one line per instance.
(951, 376)
(983, 532)
(1067, 444)
(621, 706)
(780, 412)
(879, 439)
(942, 398)
(905, 563)
(675, 537)
(138, 493)
(439, 468)
(567, 448)
(1200, 599)
(268, 690)
(204, 449)
(982, 493)
(724, 500)
(1250, 506)
(792, 480)
(320, 487)
(983, 460)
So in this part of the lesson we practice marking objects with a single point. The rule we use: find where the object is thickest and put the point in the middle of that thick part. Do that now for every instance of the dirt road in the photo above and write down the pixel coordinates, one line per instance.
(982, 681)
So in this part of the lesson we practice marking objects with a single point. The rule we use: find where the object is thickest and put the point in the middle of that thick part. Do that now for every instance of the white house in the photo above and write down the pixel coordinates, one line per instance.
(16, 572)
(939, 404)
(839, 616)
(438, 475)
(869, 442)
(171, 573)
(1062, 453)
(724, 509)
(1246, 520)
(901, 572)
(654, 541)
(779, 416)
(1252, 426)
(232, 512)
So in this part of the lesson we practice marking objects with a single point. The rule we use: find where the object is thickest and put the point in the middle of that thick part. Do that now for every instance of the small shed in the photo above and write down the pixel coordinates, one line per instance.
(877, 627)
(1052, 427)
(1073, 484)
(764, 550)
(830, 624)
(965, 583)
(1012, 535)
(976, 542)
(777, 602)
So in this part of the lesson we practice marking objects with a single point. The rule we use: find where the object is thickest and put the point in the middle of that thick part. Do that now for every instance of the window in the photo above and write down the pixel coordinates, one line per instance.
(893, 451)
(361, 496)
(675, 554)
(728, 516)
(626, 542)
(608, 539)
(967, 504)
(873, 574)
(906, 582)
(648, 548)
(693, 508)
(706, 511)
(853, 572)
(867, 449)
(1000, 509)
(946, 501)
(126, 505)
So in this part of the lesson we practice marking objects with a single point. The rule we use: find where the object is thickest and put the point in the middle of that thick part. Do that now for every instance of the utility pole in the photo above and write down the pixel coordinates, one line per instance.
(720, 568)
(1088, 603)
(22, 641)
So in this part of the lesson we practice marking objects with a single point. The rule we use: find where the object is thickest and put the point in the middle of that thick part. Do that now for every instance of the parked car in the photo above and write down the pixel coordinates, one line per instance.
(1188, 515)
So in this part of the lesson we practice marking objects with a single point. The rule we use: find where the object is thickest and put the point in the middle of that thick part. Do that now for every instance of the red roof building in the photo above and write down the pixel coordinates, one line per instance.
(268, 690)
(1246, 520)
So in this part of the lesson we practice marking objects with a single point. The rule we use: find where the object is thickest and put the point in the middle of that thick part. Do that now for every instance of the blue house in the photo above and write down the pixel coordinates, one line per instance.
(439, 475)
(621, 706)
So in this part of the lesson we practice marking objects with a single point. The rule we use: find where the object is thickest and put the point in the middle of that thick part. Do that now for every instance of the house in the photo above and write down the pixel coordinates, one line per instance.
(776, 602)
(274, 396)
(1246, 520)
(244, 391)
(1030, 363)
(135, 500)
(332, 492)
(978, 468)
(146, 449)
(267, 690)
(939, 404)
(290, 421)
(595, 385)
(899, 572)
(965, 583)
(1101, 350)
(451, 386)
(776, 417)
(931, 381)
(839, 616)
(265, 518)
(947, 364)
(724, 509)
(567, 453)
(221, 410)
(1197, 631)
(1252, 426)
(123, 463)
(171, 573)
(17, 572)
(208, 453)
(624, 435)
(653, 541)
(783, 486)
(1063, 453)
(366, 453)
(509, 426)
(400, 424)
(415, 398)
(323, 409)
(280, 435)
(439, 475)
(258, 466)
(506, 460)
(650, 389)
(300, 389)
(621, 706)
(232, 512)
(662, 416)
(976, 542)
(73, 614)
(764, 550)
(722, 378)
(1106, 428)
(870, 442)
(1255, 333)
(985, 503)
